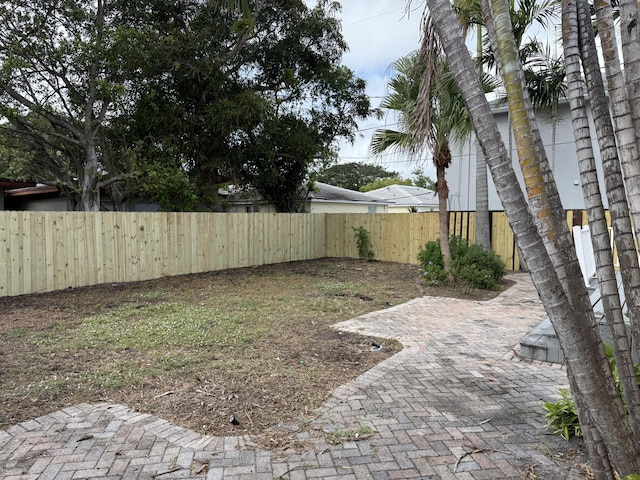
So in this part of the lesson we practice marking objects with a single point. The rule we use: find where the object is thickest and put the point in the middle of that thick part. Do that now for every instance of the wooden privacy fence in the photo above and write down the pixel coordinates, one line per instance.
(46, 251)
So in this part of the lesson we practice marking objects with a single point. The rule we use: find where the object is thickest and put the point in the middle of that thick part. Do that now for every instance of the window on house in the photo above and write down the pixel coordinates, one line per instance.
(372, 209)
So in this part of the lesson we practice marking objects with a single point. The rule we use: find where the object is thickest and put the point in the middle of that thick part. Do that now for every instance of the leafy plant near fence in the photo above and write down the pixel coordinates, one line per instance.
(363, 243)
(562, 416)
(471, 265)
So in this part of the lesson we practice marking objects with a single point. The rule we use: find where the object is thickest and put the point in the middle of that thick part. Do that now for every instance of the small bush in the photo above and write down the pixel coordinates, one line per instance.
(363, 243)
(432, 266)
(471, 265)
(562, 417)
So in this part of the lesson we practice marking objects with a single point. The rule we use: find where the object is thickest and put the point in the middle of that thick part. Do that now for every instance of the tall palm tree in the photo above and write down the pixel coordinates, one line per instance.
(448, 121)
(571, 316)
(573, 41)
(403, 95)
(524, 14)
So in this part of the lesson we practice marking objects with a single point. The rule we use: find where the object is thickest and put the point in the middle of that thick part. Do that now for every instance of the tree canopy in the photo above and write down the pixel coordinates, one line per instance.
(113, 93)
(385, 182)
(353, 175)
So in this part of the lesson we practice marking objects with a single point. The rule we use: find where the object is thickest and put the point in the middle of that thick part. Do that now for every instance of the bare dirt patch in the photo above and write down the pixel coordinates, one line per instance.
(223, 353)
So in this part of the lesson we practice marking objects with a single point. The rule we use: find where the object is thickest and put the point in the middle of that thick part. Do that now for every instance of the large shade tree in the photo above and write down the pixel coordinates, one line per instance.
(235, 82)
(113, 93)
(538, 219)
(353, 175)
(63, 75)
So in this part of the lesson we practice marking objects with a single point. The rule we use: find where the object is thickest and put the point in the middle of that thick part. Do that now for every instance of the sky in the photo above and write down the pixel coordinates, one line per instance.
(379, 32)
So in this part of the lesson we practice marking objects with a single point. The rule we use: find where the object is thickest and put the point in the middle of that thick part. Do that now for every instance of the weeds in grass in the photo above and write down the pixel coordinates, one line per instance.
(163, 325)
(337, 289)
(241, 332)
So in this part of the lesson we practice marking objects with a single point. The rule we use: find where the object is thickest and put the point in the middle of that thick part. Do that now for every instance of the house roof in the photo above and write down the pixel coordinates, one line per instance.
(8, 184)
(330, 193)
(32, 190)
(323, 192)
(406, 195)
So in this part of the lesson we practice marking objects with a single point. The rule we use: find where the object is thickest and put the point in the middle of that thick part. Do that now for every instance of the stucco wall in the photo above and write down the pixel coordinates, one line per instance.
(461, 173)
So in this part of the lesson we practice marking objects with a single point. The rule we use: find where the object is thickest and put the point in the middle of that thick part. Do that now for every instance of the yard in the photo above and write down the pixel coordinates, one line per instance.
(223, 353)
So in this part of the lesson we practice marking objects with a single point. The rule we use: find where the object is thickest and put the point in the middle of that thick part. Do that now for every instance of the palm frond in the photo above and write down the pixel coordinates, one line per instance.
(384, 140)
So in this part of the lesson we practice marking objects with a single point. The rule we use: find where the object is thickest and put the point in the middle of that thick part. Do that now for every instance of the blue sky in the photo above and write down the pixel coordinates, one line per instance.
(379, 32)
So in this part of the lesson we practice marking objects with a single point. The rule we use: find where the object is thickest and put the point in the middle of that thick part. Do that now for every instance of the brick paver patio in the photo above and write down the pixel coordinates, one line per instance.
(456, 403)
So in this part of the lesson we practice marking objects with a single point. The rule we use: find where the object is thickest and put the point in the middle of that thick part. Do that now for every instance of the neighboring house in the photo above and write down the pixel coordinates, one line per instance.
(244, 200)
(331, 199)
(6, 185)
(407, 199)
(323, 199)
(461, 174)
(38, 197)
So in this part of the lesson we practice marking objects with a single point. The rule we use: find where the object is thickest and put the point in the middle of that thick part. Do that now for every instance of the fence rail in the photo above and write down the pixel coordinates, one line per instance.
(46, 251)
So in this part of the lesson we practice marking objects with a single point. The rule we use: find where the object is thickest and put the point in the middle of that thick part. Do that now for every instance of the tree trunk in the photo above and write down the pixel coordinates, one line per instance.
(579, 342)
(630, 36)
(541, 187)
(483, 217)
(443, 212)
(595, 210)
(622, 119)
(615, 185)
(90, 196)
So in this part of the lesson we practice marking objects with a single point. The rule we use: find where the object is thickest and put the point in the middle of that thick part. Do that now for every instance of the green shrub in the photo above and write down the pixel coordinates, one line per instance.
(471, 265)
(432, 267)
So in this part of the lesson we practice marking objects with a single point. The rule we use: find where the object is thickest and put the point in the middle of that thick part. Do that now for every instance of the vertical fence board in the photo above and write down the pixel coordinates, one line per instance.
(34, 260)
(4, 253)
(27, 250)
(15, 253)
(91, 256)
(110, 249)
(503, 241)
(50, 253)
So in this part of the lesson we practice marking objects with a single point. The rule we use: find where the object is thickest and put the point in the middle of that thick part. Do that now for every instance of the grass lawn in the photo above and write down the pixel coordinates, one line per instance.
(252, 343)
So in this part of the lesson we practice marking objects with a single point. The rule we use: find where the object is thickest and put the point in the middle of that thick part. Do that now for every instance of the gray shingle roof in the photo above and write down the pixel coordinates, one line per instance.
(331, 193)
(405, 195)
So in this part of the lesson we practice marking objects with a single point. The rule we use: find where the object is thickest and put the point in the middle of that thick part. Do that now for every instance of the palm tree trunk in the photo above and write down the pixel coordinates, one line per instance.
(541, 190)
(615, 185)
(483, 220)
(443, 213)
(483, 217)
(629, 25)
(622, 119)
(595, 210)
(581, 349)
(531, 147)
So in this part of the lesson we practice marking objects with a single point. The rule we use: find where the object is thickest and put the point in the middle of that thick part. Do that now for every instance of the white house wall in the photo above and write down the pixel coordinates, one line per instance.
(461, 172)
(344, 207)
